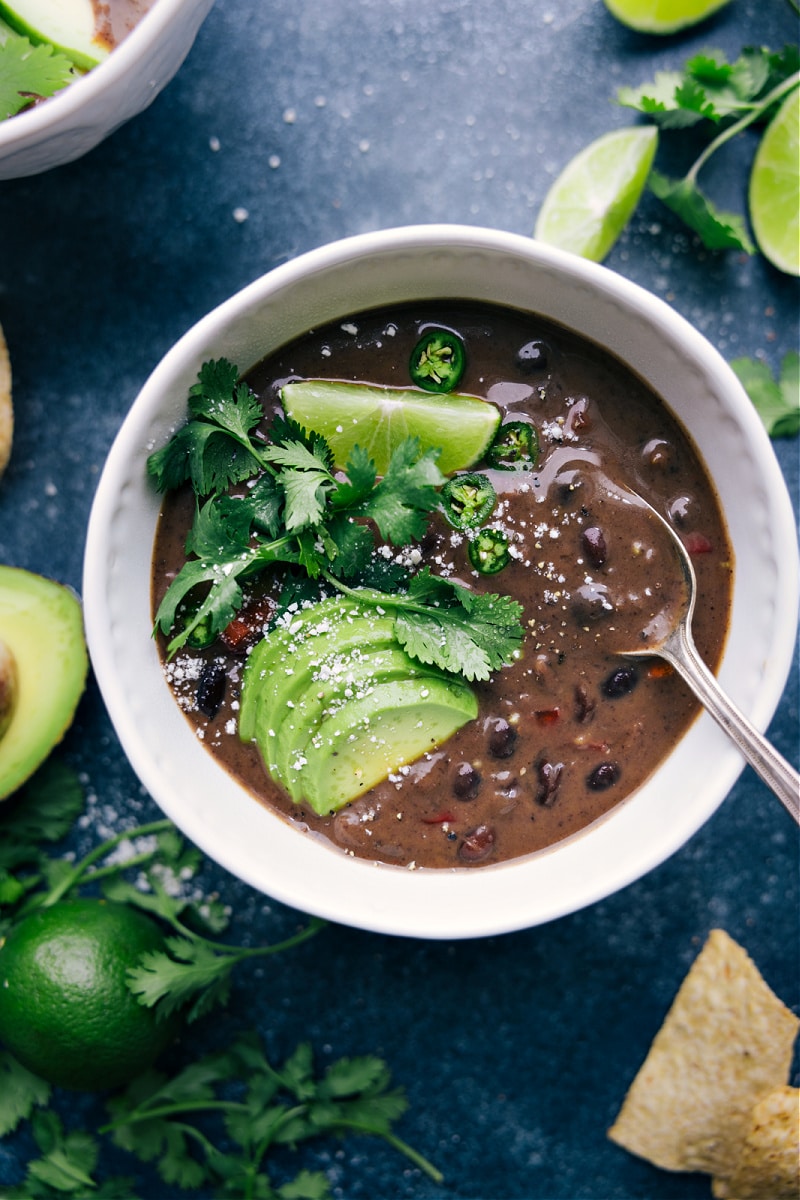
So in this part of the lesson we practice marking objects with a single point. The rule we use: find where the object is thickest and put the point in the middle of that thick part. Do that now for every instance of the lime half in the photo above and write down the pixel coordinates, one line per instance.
(378, 419)
(774, 194)
(595, 195)
(662, 16)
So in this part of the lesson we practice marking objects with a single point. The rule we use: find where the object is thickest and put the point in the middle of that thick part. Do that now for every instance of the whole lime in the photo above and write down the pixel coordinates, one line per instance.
(66, 1012)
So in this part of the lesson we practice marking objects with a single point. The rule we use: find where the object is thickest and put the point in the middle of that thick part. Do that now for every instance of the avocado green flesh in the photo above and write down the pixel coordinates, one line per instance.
(68, 26)
(335, 703)
(370, 738)
(357, 679)
(41, 623)
(277, 665)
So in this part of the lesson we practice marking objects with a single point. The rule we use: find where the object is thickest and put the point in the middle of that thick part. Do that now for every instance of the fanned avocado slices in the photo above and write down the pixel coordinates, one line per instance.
(335, 704)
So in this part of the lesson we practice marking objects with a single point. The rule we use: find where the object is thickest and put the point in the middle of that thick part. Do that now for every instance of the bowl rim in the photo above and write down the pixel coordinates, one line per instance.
(462, 902)
(148, 31)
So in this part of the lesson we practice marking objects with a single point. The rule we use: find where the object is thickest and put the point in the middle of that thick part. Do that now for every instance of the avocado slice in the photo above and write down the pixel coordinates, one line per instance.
(279, 656)
(69, 27)
(356, 677)
(41, 627)
(319, 666)
(335, 703)
(369, 738)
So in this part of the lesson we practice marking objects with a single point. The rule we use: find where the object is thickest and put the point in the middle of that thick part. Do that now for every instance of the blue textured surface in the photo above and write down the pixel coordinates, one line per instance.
(290, 125)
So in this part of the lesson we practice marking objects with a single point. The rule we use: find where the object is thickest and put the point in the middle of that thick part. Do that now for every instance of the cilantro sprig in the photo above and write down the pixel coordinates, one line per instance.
(139, 867)
(777, 401)
(215, 1122)
(28, 72)
(296, 510)
(725, 96)
(155, 1118)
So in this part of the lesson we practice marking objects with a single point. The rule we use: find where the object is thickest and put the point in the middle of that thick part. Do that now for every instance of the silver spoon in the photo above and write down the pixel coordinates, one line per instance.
(673, 641)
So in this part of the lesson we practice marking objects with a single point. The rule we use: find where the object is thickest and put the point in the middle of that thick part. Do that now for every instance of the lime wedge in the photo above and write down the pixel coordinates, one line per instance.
(593, 198)
(662, 16)
(774, 194)
(69, 26)
(379, 418)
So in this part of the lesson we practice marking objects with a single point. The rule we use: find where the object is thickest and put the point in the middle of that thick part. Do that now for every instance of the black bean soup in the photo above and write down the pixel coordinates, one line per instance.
(570, 728)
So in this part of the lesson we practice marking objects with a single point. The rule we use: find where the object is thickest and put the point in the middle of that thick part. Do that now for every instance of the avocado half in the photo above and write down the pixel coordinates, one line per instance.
(43, 670)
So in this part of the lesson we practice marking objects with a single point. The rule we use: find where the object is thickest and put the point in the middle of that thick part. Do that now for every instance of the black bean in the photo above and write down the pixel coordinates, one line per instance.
(658, 453)
(502, 738)
(548, 776)
(478, 844)
(466, 781)
(683, 511)
(585, 704)
(602, 777)
(620, 682)
(532, 356)
(211, 688)
(591, 601)
(594, 545)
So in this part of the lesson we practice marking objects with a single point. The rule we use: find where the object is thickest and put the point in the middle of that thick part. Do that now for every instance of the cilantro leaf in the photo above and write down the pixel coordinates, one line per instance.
(220, 397)
(709, 88)
(718, 230)
(261, 1106)
(400, 502)
(203, 454)
(673, 101)
(27, 72)
(190, 975)
(68, 1159)
(20, 1093)
(43, 811)
(443, 623)
(776, 400)
(215, 449)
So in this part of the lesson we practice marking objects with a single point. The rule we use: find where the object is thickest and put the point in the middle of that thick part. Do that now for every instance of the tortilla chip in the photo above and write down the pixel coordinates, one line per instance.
(769, 1163)
(6, 410)
(726, 1042)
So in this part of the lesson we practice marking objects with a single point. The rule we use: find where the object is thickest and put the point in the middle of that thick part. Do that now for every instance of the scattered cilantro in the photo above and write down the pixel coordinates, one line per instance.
(301, 513)
(776, 400)
(28, 72)
(259, 1107)
(727, 96)
(194, 973)
(158, 1119)
(20, 1093)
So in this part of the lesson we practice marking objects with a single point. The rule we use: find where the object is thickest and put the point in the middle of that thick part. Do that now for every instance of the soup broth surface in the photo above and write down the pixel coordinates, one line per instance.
(571, 728)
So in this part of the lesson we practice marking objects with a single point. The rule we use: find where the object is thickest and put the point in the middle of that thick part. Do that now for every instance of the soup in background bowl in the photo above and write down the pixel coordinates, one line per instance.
(387, 270)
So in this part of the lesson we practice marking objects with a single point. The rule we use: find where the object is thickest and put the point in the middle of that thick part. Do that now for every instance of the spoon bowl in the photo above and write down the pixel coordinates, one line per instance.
(669, 636)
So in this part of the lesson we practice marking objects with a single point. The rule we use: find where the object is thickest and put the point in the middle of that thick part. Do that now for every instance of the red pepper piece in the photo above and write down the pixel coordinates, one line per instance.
(697, 543)
(547, 716)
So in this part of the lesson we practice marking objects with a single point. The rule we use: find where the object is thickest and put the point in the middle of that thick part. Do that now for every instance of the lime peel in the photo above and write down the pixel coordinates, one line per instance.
(774, 190)
(662, 16)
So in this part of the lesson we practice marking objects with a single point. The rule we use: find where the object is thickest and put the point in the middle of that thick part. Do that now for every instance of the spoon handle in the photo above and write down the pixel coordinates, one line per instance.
(679, 649)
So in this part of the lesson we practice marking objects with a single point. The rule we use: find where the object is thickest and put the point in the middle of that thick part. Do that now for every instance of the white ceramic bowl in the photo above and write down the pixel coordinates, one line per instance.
(377, 269)
(77, 118)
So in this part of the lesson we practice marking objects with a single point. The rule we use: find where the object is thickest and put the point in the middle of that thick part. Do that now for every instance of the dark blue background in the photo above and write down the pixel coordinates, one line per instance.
(334, 117)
